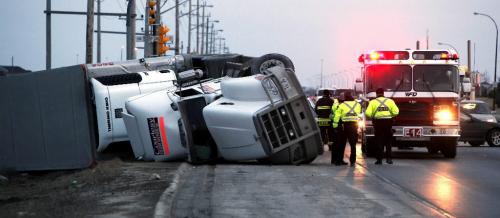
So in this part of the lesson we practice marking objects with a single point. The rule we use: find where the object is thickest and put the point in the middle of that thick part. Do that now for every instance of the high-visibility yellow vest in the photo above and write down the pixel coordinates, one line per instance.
(348, 111)
(382, 108)
(334, 108)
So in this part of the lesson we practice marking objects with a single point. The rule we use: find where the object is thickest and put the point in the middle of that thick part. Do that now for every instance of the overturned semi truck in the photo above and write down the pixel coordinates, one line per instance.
(206, 107)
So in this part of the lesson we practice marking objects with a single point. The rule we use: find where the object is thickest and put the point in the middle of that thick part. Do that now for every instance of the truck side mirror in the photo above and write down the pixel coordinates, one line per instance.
(358, 86)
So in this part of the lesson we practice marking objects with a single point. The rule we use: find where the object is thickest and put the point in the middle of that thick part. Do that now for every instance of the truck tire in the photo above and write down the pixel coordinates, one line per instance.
(449, 148)
(475, 143)
(261, 64)
(493, 138)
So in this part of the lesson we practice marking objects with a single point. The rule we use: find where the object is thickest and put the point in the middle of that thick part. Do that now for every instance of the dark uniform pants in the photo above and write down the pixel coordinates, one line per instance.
(383, 137)
(337, 139)
(326, 133)
(349, 133)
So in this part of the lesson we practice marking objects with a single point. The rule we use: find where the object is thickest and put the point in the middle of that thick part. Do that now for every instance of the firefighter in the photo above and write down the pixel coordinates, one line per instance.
(348, 113)
(382, 110)
(323, 111)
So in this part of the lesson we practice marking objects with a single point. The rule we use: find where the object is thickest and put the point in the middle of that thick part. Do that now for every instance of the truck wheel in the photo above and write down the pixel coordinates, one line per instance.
(493, 138)
(261, 64)
(476, 143)
(432, 149)
(449, 148)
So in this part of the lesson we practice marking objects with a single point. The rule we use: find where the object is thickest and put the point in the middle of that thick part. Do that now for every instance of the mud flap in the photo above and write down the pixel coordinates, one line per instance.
(199, 143)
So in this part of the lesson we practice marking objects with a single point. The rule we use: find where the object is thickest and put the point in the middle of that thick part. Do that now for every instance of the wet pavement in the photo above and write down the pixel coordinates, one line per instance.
(468, 186)
(417, 185)
(315, 190)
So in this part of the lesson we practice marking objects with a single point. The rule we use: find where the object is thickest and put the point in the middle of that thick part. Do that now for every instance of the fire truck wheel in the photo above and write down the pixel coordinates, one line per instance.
(261, 64)
(432, 149)
(449, 148)
(476, 143)
(493, 138)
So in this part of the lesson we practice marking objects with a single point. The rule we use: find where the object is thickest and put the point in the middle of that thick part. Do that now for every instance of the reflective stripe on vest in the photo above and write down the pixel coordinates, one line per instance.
(323, 107)
(351, 115)
(382, 107)
(323, 121)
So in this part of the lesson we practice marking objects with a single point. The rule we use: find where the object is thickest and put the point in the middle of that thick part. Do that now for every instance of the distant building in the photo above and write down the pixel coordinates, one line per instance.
(4, 70)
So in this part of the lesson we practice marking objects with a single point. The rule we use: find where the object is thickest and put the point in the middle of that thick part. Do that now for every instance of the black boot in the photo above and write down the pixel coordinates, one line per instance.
(389, 161)
(378, 162)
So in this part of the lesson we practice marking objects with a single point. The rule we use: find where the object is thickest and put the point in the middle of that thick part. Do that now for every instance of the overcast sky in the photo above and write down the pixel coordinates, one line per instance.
(306, 31)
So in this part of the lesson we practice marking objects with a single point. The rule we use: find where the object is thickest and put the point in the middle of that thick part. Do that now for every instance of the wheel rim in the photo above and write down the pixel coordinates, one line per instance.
(270, 63)
(495, 138)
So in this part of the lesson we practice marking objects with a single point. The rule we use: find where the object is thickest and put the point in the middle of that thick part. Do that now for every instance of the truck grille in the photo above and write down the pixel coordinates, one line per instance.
(414, 114)
(279, 126)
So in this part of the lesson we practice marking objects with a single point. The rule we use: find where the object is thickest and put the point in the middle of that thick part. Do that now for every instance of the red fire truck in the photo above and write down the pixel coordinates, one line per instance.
(425, 84)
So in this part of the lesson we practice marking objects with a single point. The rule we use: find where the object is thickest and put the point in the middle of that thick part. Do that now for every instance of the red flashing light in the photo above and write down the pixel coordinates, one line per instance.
(446, 56)
(361, 58)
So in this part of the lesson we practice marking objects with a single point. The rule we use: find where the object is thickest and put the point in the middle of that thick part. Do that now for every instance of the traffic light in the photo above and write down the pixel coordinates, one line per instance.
(152, 12)
(162, 40)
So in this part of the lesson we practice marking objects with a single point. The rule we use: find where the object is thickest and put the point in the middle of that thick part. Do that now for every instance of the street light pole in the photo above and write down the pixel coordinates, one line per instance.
(496, 55)
(321, 85)
(447, 44)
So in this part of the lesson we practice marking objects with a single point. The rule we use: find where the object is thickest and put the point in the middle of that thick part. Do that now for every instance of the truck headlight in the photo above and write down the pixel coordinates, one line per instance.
(443, 115)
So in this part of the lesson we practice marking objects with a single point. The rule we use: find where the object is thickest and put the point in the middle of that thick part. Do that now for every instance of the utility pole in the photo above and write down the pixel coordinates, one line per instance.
(131, 15)
(48, 45)
(90, 32)
(212, 39)
(418, 45)
(469, 71)
(220, 45)
(176, 27)
(99, 31)
(427, 38)
(203, 28)
(189, 29)
(206, 40)
(197, 26)
(321, 73)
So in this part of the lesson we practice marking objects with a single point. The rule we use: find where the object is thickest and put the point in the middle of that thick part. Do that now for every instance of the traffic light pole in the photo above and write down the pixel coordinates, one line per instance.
(48, 44)
(90, 32)
(131, 15)
(197, 26)
(177, 27)
(189, 29)
(99, 31)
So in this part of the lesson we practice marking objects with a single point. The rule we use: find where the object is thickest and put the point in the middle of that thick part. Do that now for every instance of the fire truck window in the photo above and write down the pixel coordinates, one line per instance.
(389, 77)
(428, 55)
(435, 78)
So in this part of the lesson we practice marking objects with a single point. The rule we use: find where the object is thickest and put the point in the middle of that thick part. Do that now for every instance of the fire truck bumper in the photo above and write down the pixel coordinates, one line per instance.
(420, 133)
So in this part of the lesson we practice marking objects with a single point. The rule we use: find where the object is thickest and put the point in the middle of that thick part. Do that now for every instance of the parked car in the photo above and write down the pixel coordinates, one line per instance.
(478, 125)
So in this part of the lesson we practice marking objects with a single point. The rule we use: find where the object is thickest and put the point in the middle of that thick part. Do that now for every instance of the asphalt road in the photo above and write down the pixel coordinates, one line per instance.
(417, 185)
(468, 186)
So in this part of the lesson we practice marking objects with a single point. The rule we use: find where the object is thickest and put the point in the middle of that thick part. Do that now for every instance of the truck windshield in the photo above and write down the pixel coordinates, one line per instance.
(389, 77)
(442, 78)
